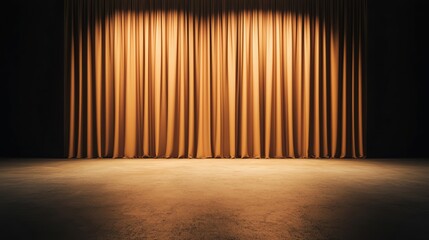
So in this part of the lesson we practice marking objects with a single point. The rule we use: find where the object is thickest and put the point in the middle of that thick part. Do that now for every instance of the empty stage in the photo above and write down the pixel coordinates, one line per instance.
(214, 199)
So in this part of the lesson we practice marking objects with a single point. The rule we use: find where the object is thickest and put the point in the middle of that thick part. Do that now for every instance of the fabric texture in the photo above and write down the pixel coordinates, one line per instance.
(192, 78)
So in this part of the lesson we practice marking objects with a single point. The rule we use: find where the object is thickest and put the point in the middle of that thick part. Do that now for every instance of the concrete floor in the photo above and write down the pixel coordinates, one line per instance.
(214, 199)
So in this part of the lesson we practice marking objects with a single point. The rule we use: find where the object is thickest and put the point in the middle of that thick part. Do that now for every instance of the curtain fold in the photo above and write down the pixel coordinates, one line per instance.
(192, 78)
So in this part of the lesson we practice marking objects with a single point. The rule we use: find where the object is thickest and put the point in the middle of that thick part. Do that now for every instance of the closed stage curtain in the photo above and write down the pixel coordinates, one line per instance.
(227, 78)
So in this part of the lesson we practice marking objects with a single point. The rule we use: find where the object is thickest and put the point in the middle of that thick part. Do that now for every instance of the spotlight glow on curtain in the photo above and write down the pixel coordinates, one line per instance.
(195, 78)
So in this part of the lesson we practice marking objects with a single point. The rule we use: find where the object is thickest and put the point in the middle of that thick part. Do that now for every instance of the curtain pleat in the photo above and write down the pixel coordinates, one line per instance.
(190, 78)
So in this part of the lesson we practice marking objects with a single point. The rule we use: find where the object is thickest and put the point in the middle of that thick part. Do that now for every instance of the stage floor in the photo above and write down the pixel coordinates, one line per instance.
(214, 199)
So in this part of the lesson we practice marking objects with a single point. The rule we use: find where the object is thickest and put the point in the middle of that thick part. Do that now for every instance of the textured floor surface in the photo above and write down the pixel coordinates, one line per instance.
(214, 199)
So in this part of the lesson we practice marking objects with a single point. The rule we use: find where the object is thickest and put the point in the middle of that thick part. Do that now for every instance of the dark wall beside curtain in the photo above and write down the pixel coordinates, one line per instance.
(31, 73)
(397, 80)
(31, 98)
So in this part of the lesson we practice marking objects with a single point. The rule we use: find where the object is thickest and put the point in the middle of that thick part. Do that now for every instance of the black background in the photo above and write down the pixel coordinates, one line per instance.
(32, 85)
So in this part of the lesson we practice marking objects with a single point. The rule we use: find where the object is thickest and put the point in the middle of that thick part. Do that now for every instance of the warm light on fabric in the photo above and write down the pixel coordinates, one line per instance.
(149, 79)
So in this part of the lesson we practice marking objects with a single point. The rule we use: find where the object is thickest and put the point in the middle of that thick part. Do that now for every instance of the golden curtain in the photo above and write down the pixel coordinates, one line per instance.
(194, 78)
